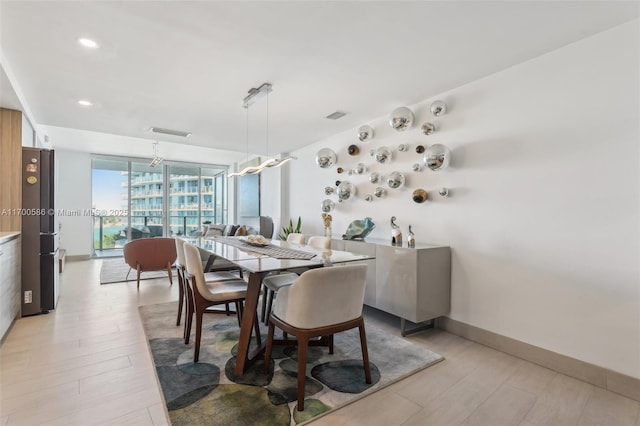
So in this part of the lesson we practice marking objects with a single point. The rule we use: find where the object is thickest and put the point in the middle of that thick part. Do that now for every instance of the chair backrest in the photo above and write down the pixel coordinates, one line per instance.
(323, 296)
(180, 252)
(266, 227)
(194, 267)
(152, 254)
(294, 238)
(319, 243)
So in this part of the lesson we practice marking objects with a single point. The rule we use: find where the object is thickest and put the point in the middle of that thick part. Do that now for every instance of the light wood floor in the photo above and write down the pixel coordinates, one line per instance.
(88, 363)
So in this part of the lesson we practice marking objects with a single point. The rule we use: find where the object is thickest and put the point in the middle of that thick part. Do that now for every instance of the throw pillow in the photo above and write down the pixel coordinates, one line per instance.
(214, 231)
(241, 231)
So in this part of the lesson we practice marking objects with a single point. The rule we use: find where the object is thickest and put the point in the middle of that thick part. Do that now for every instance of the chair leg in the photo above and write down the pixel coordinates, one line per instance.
(365, 353)
(330, 337)
(139, 272)
(189, 320)
(226, 309)
(267, 351)
(181, 297)
(264, 318)
(170, 273)
(303, 342)
(196, 353)
(270, 302)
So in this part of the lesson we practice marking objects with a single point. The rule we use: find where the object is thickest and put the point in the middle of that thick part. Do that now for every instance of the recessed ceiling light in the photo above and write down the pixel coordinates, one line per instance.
(87, 42)
(85, 102)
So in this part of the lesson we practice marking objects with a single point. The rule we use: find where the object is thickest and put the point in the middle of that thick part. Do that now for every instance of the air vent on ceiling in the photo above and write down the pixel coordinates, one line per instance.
(336, 115)
(170, 132)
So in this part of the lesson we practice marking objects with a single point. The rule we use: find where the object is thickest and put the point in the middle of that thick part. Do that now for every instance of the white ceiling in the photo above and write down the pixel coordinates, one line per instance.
(188, 65)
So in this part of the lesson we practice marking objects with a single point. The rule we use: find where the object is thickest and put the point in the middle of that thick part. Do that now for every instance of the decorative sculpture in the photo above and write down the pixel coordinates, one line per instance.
(396, 234)
(411, 239)
(359, 229)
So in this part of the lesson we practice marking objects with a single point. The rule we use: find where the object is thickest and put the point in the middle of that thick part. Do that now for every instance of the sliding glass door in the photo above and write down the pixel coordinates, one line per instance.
(172, 199)
(110, 204)
(146, 201)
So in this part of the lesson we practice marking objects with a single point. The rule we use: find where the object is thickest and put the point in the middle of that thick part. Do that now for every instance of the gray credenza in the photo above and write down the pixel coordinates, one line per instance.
(10, 281)
(411, 283)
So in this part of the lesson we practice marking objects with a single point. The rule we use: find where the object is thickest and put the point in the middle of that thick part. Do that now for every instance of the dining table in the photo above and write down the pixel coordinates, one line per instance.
(258, 261)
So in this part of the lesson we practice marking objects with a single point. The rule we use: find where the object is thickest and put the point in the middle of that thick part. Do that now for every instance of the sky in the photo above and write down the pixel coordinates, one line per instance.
(107, 189)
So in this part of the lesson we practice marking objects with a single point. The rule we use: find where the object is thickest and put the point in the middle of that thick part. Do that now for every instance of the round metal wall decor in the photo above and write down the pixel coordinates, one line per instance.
(416, 167)
(368, 198)
(420, 149)
(437, 157)
(338, 182)
(380, 192)
(420, 195)
(328, 190)
(383, 155)
(395, 180)
(444, 192)
(438, 108)
(340, 169)
(346, 190)
(365, 133)
(353, 150)
(401, 119)
(328, 205)
(326, 158)
(360, 169)
(428, 128)
(375, 177)
(403, 147)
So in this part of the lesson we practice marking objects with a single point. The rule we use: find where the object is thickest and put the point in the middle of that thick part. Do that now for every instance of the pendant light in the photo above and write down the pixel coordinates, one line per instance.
(250, 99)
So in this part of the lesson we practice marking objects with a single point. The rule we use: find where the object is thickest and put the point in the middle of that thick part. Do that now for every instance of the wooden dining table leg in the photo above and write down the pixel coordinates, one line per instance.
(248, 318)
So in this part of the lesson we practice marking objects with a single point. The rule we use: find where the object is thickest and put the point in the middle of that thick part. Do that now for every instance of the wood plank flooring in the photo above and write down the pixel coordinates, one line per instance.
(87, 363)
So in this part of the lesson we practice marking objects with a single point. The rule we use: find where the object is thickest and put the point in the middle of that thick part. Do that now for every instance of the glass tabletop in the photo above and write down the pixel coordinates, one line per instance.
(245, 257)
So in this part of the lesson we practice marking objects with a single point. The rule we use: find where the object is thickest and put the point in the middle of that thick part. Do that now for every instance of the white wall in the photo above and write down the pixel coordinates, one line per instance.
(543, 220)
(73, 193)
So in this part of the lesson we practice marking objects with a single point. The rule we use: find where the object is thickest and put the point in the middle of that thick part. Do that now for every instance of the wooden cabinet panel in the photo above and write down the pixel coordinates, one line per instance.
(10, 169)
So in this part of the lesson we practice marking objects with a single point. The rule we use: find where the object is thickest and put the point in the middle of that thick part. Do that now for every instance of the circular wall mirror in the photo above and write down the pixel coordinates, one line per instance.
(383, 155)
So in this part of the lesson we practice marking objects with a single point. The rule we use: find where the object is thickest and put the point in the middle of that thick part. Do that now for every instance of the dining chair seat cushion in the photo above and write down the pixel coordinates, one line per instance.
(220, 276)
(319, 297)
(276, 282)
(226, 290)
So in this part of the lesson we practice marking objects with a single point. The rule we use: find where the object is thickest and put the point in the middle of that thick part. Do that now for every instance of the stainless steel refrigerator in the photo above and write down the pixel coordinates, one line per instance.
(40, 274)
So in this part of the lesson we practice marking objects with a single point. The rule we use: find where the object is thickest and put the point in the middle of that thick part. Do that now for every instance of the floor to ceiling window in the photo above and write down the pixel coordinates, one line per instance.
(134, 200)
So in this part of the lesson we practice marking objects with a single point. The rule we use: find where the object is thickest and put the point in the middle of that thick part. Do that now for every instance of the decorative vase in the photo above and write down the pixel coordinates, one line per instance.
(327, 231)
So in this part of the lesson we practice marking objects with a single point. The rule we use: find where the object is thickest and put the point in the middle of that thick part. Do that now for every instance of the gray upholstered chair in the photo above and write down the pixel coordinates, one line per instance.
(320, 303)
(266, 227)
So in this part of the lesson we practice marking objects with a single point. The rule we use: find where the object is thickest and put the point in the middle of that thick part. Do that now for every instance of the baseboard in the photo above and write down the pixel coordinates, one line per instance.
(77, 257)
(598, 376)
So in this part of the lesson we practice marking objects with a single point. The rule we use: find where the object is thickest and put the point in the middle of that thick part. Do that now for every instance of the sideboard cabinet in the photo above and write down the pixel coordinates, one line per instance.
(411, 283)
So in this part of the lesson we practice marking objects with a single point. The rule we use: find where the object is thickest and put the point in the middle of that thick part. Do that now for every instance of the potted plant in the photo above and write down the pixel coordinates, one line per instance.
(290, 229)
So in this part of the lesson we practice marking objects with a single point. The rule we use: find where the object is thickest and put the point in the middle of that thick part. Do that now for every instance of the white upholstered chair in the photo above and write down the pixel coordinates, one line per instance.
(185, 297)
(210, 293)
(273, 283)
(297, 239)
(320, 303)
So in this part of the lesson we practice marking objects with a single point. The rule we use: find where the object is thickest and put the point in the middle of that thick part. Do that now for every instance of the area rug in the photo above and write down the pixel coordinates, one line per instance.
(116, 270)
(210, 393)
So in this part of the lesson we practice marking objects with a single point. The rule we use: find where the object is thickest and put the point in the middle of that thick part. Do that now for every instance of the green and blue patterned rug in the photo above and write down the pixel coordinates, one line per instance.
(210, 393)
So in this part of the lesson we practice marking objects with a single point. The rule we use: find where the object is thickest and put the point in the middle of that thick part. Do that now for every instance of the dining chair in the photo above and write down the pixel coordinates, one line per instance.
(185, 297)
(295, 238)
(273, 283)
(320, 303)
(207, 294)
